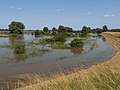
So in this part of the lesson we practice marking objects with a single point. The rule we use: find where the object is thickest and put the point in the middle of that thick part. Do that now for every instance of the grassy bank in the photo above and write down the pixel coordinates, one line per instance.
(105, 76)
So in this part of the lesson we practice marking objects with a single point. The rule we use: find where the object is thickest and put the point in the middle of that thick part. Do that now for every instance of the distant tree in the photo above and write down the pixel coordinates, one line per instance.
(64, 29)
(105, 29)
(54, 29)
(37, 32)
(45, 29)
(98, 30)
(16, 27)
(61, 28)
(68, 29)
(85, 31)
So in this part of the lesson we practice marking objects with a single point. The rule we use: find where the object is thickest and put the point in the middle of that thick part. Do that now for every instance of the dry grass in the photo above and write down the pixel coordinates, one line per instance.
(105, 76)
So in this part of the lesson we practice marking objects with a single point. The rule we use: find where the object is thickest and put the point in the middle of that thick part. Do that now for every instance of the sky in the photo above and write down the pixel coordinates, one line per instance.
(36, 14)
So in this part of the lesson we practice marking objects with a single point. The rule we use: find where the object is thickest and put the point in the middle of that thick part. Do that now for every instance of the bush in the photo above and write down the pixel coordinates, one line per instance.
(61, 46)
(77, 43)
(38, 32)
(49, 40)
(59, 38)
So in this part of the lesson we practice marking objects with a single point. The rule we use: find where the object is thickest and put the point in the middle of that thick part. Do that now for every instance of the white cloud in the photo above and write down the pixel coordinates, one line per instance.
(88, 13)
(109, 15)
(11, 7)
(60, 9)
(19, 8)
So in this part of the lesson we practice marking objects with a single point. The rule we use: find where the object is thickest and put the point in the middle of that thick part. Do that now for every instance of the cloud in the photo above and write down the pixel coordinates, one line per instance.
(11, 7)
(88, 13)
(109, 15)
(19, 8)
(60, 10)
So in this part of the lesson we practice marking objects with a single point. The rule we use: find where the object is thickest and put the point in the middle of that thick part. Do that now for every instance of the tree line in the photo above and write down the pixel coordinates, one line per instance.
(18, 28)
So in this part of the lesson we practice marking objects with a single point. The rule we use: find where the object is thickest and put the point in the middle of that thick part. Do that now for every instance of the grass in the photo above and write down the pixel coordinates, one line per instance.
(104, 76)
(4, 34)
(61, 46)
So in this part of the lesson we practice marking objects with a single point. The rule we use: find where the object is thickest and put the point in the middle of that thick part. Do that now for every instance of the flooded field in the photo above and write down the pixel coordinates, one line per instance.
(28, 54)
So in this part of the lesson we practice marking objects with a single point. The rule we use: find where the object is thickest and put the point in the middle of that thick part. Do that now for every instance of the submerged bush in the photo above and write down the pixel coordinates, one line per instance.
(59, 38)
(49, 40)
(61, 46)
(77, 43)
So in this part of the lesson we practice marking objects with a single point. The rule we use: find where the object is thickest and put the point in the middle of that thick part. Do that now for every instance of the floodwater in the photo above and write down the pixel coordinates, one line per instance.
(24, 55)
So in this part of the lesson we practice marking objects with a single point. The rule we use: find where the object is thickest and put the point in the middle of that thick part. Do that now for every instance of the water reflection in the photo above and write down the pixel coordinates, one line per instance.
(19, 48)
(24, 48)
(77, 50)
(24, 54)
(34, 51)
(17, 39)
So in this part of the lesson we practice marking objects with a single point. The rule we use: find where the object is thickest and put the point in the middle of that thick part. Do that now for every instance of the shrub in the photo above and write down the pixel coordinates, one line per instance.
(59, 38)
(76, 43)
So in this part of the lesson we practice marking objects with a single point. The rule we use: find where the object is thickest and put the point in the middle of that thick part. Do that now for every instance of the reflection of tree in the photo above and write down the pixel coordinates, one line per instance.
(19, 48)
(17, 39)
(77, 50)
(91, 43)
(37, 51)
(103, 38)
(20, 57)
(20, 52)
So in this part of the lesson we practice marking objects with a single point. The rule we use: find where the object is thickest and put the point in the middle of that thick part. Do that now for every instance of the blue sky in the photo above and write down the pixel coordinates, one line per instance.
(36, 14)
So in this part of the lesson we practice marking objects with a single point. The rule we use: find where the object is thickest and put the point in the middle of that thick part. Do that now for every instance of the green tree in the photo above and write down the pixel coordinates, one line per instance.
(45, 29)
(85, 31)
(68, 29)
(105, 29)
(16, 27)
(61, 28)
(64, 29)
(98, 30)
(54, 29)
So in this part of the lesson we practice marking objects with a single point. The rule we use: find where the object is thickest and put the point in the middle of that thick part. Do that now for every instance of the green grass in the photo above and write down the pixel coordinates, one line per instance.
(61, 46)
(44, 43)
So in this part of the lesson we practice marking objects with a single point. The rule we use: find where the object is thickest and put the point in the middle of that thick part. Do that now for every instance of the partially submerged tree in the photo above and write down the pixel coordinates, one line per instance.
(77, 43)
(16, 27)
